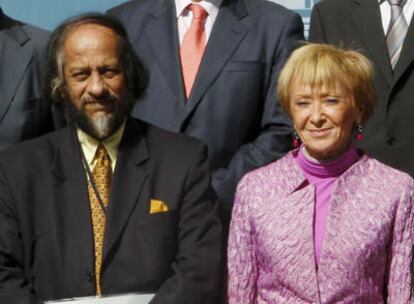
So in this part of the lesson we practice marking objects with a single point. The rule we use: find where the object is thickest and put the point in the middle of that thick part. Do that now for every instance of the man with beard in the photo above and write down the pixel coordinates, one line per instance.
(108, 204)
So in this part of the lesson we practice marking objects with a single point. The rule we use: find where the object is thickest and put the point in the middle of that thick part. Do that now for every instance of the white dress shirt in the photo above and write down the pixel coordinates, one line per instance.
(408, 9)
(184, 16)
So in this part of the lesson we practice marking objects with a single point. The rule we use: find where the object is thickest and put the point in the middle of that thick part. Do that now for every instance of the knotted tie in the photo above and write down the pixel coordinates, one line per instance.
(192, 47)
(102, 175)
(396, 31)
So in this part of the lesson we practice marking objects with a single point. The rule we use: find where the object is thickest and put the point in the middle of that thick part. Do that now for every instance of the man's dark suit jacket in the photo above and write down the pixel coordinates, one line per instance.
(232, 106)
(389, 134)
(46, 240)
(24, 113)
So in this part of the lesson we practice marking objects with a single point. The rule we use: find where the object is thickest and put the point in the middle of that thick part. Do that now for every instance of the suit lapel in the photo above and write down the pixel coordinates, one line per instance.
(15, 58)
(227, 33)
(162, 33)
(373, 34)
(407, 54)
(72, 201)
(129, 177)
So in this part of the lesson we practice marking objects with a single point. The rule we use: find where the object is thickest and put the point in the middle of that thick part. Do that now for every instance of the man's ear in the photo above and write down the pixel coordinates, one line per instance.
(61, 95)
(62, 91)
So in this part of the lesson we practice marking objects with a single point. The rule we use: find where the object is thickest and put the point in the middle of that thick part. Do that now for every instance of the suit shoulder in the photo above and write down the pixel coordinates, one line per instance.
(133, 14)
(274, 19)
(31, 149)
(40, 36)
(162, 139)
(36, 32)
(131, 7)
(268, 8)
(38, 39)
(385, 176)
(331, 5)
(375, 181)
(25, 34)
(273, 177)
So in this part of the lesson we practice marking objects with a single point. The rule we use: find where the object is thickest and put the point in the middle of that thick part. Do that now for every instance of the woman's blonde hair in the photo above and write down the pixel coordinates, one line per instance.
(322, 65)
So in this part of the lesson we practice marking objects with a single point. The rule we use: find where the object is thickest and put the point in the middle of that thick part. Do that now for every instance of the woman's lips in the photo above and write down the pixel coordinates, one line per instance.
(318, 133)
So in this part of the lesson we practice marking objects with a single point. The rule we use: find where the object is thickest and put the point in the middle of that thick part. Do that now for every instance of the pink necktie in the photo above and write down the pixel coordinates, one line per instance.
(192, 47)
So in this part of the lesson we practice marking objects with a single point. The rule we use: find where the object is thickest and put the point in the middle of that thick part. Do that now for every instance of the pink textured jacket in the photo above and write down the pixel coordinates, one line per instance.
(367, 252)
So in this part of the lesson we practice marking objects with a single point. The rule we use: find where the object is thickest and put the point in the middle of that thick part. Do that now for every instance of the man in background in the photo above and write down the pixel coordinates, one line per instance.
(383, 30)
(213, 67)
(108, 204)
(24, 113)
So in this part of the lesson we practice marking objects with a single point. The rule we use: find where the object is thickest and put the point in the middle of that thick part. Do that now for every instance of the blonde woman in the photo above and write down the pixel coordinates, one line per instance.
(326, 223)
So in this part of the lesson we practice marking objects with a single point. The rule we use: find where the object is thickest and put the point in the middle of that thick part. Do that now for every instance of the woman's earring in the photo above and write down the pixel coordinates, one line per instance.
(359, 135)
(295, 141)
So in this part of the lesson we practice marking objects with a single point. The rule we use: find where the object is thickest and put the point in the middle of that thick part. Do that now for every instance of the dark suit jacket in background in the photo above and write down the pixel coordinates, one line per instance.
(232, 106)
(24, 113)
(389, 134)
(46, 239)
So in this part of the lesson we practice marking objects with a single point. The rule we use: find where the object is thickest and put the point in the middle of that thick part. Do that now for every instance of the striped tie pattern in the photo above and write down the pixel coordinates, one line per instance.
(396, 31)
(102, 175)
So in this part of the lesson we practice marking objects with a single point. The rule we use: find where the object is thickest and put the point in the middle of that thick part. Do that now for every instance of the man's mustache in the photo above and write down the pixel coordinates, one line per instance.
(104, 99)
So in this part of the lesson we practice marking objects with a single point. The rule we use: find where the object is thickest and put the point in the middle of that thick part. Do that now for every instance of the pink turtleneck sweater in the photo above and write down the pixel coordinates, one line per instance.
(323, 176)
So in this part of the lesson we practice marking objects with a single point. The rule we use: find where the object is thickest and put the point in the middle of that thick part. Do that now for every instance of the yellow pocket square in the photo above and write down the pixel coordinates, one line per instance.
(157, 206)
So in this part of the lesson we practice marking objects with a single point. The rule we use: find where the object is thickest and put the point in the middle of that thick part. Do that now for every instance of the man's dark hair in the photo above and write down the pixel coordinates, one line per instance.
(54, 80)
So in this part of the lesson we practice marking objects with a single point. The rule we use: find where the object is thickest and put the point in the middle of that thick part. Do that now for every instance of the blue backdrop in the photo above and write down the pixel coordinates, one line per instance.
(49, 13)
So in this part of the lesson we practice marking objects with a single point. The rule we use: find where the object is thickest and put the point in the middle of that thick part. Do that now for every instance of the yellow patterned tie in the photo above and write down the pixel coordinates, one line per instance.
(102, 174)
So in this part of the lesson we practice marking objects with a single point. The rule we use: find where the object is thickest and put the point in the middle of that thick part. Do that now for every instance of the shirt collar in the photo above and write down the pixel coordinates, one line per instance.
(403, 2)
(210, 6)
(90, 144)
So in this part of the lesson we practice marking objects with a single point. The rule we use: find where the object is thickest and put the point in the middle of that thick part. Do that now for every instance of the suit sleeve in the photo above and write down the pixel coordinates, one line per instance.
(400, 268)
(14, 285)
(316, 31)
(274, 137)
(55, 119)
(241, 253)
(42, 118)
(196, 270)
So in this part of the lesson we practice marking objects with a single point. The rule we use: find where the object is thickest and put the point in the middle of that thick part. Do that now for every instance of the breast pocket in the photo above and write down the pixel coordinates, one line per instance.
(241, 93)
(160, 222)
(244, 66)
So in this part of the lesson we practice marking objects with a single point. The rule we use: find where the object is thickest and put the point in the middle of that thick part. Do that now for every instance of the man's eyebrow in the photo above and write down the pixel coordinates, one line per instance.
(78, 68)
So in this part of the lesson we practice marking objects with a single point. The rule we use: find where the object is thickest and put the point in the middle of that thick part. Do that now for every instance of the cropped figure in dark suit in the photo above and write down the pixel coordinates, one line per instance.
(385, 33)
(230, 102)
(24, 113)
(108, 204)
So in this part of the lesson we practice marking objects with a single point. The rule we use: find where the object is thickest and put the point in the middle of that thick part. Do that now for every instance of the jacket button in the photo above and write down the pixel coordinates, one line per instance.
(390, 140)
(90, 277)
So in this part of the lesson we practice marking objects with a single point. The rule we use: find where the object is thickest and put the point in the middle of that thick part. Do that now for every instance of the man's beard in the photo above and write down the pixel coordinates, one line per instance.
(102, 126)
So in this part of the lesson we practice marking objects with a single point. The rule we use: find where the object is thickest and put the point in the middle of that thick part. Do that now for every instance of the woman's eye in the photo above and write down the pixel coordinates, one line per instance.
(302, 103)
(332, 100)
